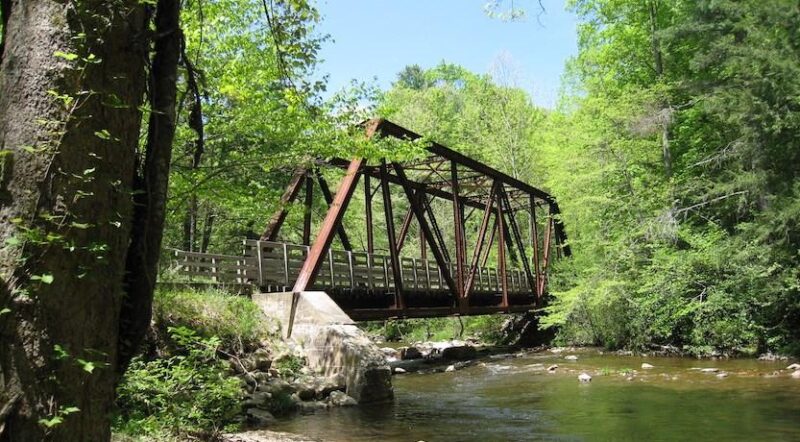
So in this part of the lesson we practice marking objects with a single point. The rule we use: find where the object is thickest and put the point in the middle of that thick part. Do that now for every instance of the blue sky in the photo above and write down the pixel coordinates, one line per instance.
(377, 38)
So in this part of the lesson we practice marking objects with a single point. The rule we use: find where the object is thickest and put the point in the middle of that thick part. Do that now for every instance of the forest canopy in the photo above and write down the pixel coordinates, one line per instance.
(673, 153)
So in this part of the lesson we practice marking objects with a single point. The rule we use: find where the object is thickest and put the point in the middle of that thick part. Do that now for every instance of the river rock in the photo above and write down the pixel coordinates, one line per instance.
(258, 416)
(722, 375)
(312, 406)
(392, 354)
(306, 392)
(647, 366)
(459, 352)
(450, 368)
(399, 370)
(769, 356)
(503, 356)
(709, 370)
(412, 352)
(277, 386)
(552, 368)
(262, 359)
(793, 367)
(256, 399)
(796, 374)
(571, 357)
(583, 377)
(341, 399)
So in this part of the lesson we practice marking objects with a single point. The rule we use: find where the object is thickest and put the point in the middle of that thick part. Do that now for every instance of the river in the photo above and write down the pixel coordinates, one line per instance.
(517, 399)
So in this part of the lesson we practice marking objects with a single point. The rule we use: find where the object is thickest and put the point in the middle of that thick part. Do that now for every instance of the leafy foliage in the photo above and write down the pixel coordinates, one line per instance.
(675, 165)
(187, 393)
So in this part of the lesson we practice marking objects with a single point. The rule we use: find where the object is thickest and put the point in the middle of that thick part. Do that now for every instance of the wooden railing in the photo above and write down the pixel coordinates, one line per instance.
(274, 267)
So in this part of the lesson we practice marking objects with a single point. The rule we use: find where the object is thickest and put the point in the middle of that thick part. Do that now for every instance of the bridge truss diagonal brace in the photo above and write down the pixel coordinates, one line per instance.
(512, 221)
(328, 196)
(277, 219)
(419, 212)
(476, 256)
(333, 220)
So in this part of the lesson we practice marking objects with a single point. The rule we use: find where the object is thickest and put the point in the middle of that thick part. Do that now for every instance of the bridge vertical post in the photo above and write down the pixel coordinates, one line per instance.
(393, 252)
(307, 213)
(423, 250)
(535, 245)
(548, 233)
(368, 214)
(501, 254)
(332, 222)
(458, 223)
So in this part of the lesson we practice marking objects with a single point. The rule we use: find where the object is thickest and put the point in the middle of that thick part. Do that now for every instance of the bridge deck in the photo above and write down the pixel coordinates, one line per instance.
(361, 283)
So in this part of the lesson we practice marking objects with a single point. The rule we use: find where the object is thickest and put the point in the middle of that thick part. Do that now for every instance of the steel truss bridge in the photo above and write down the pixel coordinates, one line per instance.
(502, 235)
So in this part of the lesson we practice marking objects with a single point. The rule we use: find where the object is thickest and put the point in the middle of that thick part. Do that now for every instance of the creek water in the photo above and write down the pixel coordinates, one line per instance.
(516, 399)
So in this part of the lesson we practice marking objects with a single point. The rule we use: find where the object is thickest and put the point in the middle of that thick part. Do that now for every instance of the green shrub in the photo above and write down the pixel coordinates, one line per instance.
(187, 393)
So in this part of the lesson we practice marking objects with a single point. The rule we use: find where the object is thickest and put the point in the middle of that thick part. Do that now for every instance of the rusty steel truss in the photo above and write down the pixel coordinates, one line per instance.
(469, 187)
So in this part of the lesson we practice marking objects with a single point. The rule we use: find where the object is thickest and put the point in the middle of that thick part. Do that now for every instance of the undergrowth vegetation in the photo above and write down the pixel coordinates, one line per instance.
(485, 328)
(182, 387)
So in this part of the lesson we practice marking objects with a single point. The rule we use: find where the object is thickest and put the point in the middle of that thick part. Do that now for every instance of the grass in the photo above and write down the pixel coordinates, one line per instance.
(235, 320)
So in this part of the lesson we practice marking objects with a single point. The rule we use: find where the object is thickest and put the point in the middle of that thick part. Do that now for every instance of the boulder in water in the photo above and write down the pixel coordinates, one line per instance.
(796, 374)
(459, 352)
(552, 368)
(583, 377)
(411, 352)
(258, 416)
(571, 357)
(390, 353)
(647, 366)
(340, 399)
(793, 367)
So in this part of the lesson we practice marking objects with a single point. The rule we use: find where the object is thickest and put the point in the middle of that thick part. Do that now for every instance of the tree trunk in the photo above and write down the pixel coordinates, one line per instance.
(190, 224)
(208, 226)
(79, 260)
(71, 84)
(148, 219)
(658, 67)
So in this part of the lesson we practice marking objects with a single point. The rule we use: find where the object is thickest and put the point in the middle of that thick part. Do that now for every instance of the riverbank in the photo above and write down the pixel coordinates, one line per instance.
(235, 373)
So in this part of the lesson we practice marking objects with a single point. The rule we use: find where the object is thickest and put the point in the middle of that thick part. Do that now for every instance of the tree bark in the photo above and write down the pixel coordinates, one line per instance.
(150, 211)
(72, 80)
(658, 66)
(208, 226)
(80, 219)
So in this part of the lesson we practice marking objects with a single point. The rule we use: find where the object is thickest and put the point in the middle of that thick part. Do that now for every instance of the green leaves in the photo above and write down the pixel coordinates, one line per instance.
(65, 55)
(58, 417)
(87, 366)
(45, 278)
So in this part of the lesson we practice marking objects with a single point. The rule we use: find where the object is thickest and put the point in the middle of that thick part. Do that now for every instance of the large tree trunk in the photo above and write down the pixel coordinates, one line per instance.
(72, 78)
